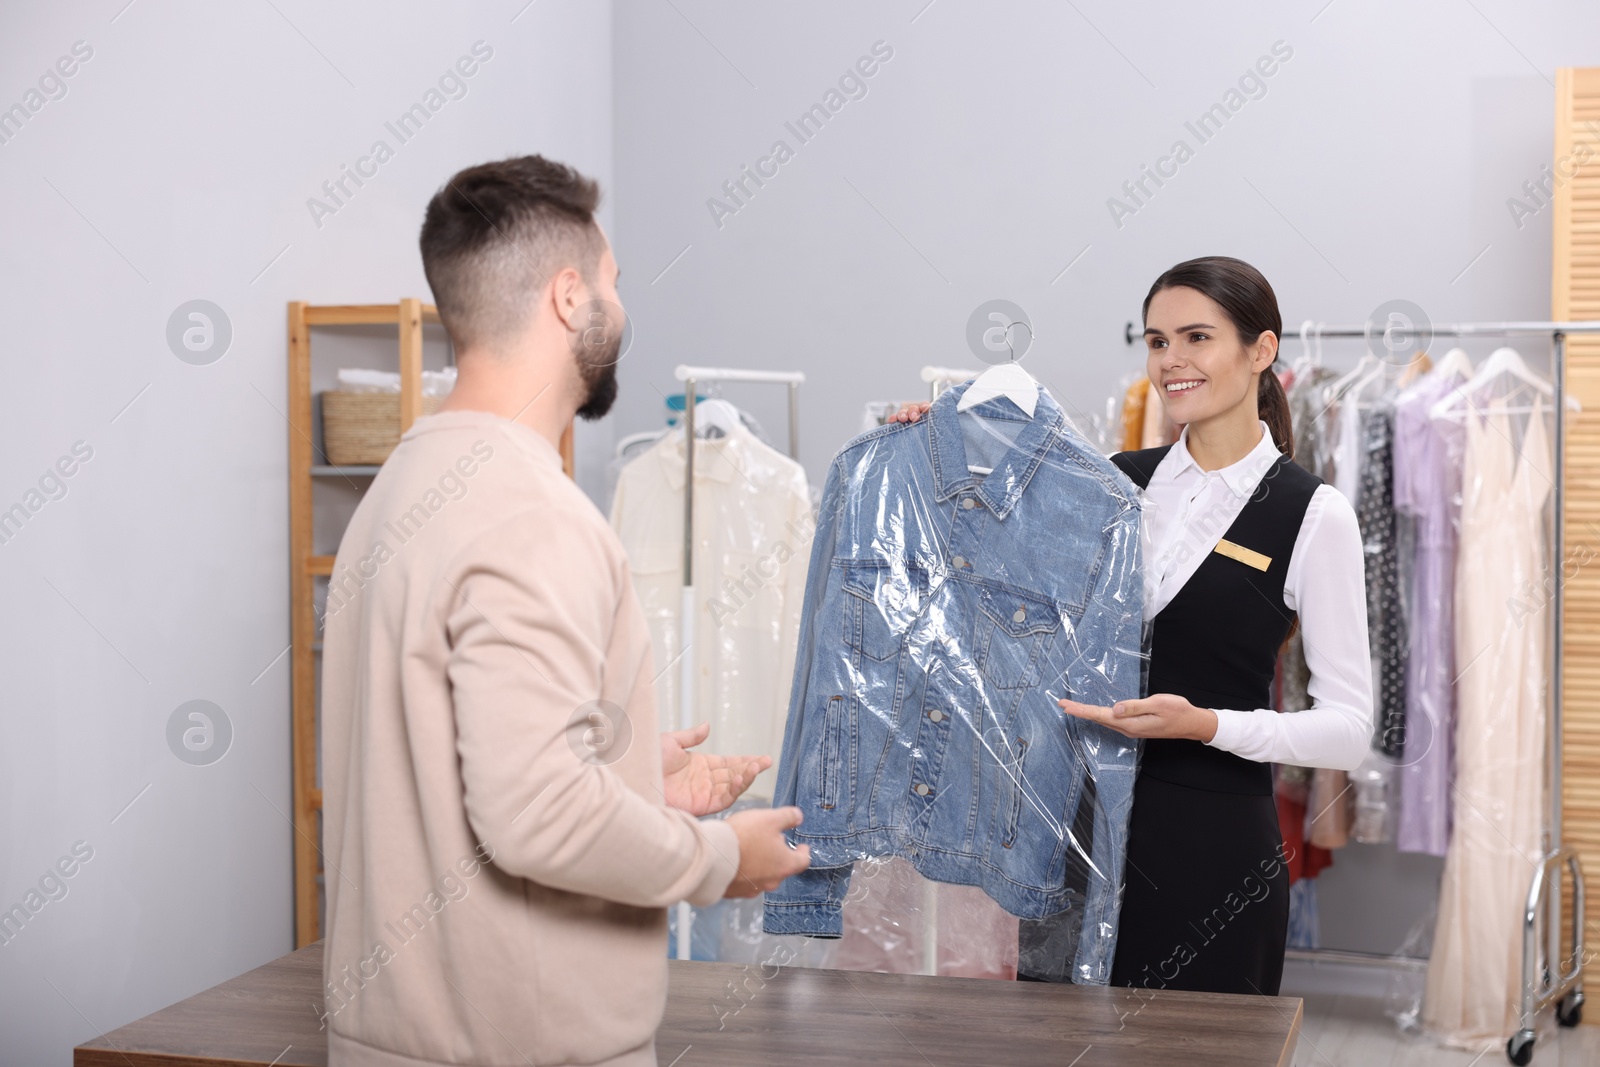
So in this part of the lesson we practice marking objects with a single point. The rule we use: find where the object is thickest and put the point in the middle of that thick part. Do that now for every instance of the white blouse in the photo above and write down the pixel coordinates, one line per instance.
(1186, 511)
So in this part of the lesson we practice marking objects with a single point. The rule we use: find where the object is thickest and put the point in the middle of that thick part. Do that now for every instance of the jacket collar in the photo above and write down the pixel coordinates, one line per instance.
(1001, 489)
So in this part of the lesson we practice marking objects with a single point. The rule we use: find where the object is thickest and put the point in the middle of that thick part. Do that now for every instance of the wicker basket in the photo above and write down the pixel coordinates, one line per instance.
(361, 429)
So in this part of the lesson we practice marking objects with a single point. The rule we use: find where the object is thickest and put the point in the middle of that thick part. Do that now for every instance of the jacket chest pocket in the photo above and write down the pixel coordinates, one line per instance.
(1013, 636)
(882, 604)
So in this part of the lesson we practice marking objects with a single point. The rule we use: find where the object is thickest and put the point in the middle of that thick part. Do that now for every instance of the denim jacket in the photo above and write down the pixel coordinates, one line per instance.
(945, 612)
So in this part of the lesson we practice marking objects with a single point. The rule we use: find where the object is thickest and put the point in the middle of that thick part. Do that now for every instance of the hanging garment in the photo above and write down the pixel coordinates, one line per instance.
(1206, 905)
(945, 613)
(1134, 403)
(892, 912)
(1427, 486)
(752, 522)
(1305, 928)
(1330, 809)
(1331, 803)
(1474, 982)
(1345, 453)
(1306, 860)
(1386, 623)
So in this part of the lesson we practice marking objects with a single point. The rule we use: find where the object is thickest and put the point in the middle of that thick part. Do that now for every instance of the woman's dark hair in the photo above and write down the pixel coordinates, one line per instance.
(1247, 299)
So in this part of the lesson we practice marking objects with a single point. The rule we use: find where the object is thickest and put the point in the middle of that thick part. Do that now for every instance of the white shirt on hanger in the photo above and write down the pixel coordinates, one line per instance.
(1347, 451)
(1186, 511)
(753, 529)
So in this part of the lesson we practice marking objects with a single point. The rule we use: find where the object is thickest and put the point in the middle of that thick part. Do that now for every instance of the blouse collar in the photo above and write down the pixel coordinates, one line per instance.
(1241, 478)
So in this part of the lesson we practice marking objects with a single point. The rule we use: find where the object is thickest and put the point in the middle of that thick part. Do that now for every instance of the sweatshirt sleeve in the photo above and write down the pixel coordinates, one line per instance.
(566, 787)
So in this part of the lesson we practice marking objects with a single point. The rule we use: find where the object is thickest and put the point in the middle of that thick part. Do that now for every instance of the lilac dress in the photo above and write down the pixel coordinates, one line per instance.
(1427, 487)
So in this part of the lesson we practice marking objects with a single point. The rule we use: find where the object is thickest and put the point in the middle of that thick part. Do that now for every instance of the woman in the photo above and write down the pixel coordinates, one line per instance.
(1238, 541)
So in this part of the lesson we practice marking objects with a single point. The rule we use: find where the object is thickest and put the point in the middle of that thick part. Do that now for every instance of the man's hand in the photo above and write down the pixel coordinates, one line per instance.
(1160, 715)
(765, 858)
(701, 784)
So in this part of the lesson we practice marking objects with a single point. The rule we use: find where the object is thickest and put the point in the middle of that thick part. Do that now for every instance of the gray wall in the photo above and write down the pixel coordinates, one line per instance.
(1374, 165)
(176, 167)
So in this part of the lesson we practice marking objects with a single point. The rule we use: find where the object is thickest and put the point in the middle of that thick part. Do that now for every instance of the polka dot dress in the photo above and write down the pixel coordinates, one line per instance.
(1386, 624)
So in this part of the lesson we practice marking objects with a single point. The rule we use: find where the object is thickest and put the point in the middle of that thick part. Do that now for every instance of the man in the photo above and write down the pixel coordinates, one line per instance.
(503, 828)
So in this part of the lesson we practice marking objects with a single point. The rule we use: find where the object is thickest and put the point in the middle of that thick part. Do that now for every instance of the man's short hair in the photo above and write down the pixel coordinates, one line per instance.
(496, 233)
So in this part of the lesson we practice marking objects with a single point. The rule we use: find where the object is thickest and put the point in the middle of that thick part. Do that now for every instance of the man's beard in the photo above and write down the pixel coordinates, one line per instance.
(597, 369)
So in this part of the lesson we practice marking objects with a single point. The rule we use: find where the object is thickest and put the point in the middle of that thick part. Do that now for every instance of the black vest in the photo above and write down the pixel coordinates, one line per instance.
(1217, 642)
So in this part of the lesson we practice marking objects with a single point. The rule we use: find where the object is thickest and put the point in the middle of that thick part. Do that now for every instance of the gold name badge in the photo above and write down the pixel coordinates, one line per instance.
(1244, 555)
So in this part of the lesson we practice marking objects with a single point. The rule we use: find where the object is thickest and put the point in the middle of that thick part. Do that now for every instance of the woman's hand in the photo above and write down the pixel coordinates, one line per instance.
(1161, 715)
(910, 412)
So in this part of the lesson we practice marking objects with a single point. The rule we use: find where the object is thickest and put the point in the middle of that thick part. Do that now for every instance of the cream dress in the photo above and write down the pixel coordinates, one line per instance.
(1473, 991)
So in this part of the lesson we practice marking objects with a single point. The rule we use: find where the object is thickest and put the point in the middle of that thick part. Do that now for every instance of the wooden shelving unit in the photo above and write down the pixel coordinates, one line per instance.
(305, 566)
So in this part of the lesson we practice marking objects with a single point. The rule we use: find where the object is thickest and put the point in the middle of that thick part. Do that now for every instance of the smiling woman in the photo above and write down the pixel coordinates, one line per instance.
(1239, 545)
(1195, 342)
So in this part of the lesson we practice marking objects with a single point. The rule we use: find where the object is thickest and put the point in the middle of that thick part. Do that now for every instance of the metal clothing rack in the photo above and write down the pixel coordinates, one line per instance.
(691, 377)
(1540, 989)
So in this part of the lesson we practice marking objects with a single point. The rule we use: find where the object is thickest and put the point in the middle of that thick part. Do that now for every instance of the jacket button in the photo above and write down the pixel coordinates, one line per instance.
(922, 789)
(936, 715)
(969, 503)
(1020, 616)
(959, 562)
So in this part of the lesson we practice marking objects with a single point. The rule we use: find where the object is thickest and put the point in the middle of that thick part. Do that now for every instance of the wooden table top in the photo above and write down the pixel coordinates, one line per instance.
(797, 1017)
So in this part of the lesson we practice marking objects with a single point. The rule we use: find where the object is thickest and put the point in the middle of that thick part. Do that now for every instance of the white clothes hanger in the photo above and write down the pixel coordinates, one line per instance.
(1502, 362)
(1366, 369)
(1454, 364)
(1006, 380)
(714, 413)
(1455, 361)
(1304, 363)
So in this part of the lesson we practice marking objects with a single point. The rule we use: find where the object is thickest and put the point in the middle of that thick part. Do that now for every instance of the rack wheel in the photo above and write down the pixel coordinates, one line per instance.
(1570, 1011)
(1519, 1050)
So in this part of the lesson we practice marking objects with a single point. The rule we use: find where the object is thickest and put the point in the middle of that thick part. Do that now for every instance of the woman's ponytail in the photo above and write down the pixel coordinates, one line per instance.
(1272, 405)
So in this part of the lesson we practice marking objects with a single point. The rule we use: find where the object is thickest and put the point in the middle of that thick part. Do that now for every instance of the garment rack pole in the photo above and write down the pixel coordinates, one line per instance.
(1541, 986)
(690, 376)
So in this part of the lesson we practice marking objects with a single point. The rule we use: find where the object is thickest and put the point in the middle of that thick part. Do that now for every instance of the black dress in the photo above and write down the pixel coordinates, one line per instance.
(1206, 900)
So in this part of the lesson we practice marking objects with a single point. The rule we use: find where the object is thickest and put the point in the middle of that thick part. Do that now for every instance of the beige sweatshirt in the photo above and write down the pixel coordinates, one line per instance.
(499, 856)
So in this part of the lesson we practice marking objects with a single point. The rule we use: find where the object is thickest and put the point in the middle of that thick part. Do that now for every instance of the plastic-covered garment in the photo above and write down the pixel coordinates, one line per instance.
(945, 613)
(1135, 398)
(1474, 984)
(753, 524)
(897, 921)
(1314, 413)
(1427, 486)
(1386, 623)
(1305, 926)
(1373, 786)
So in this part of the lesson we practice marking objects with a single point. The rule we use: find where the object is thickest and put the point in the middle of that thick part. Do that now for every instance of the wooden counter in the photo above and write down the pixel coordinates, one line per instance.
(798, 1016)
